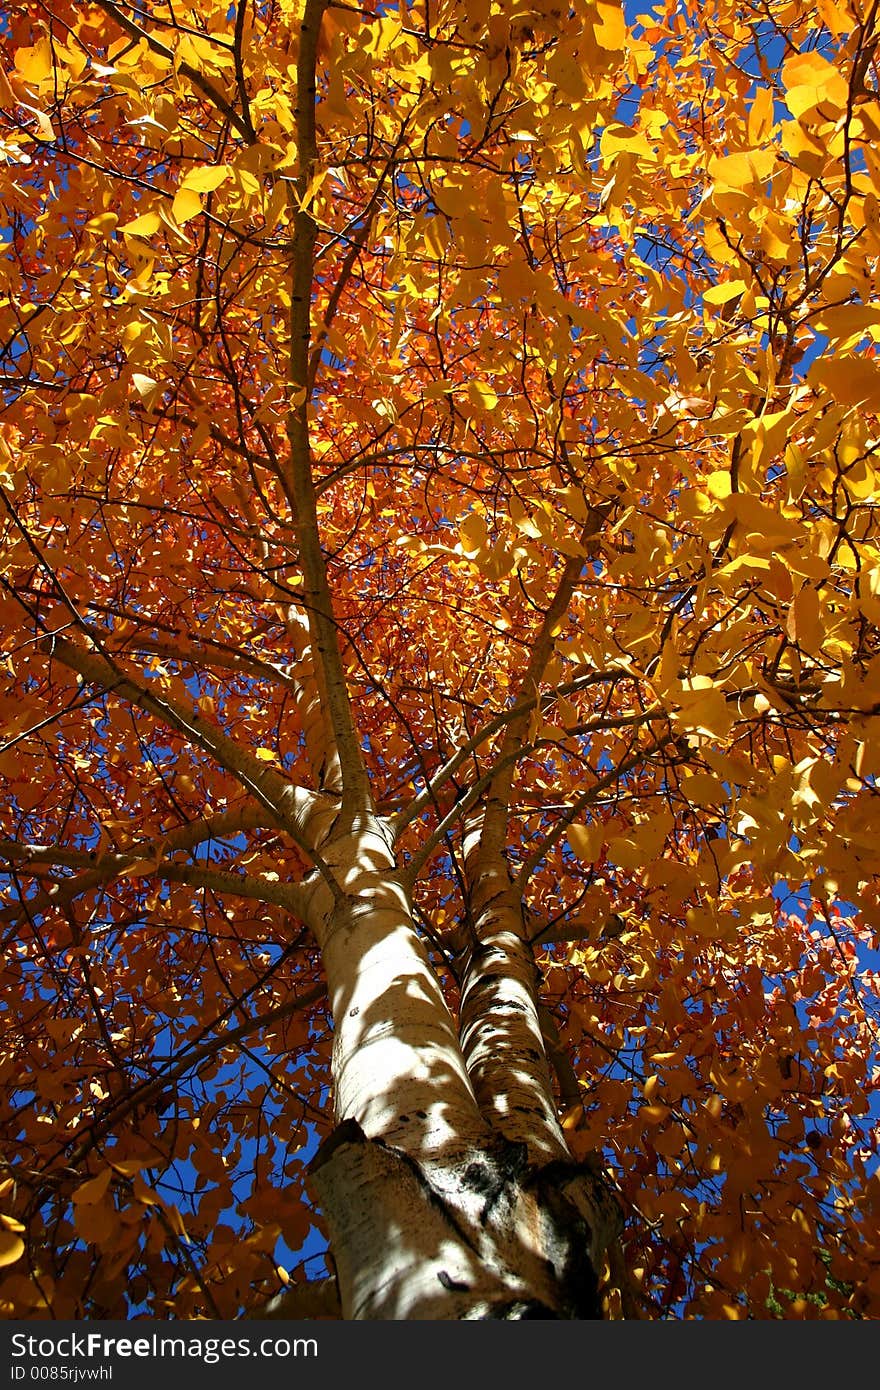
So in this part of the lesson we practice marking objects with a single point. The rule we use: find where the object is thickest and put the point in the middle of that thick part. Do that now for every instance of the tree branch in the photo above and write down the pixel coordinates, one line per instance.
(198, 80)
(528, 866)
(524, 706)
(494, 832)
(299, 481)
(150, 1090)
(306, 815)
(465, 802)
(181, 837)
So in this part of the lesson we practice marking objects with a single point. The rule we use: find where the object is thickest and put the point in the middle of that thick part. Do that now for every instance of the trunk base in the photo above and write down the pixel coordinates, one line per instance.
(482, 1237)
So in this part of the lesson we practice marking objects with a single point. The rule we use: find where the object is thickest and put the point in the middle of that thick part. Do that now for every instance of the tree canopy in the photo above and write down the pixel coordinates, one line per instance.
(468, 410)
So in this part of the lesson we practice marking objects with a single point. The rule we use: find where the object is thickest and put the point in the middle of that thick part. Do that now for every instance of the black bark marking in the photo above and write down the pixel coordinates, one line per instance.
(521, 1311)
(568, 1234)
(349, 1132)
(479, 1177)
(498, 1172)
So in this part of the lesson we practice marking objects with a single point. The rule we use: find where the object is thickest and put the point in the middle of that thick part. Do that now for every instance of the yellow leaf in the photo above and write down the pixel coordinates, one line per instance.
(144, 1194)
(382, 35)
(743, 170)
(7, 95)
(763, 527)
(720, 294)
(103, 224)
(836, 16)
(862, 482)
(249, 186)
(436, 238)
(808, 68)
(585, 841)
(620, 137)
(609, 26)
(627, 852)
(703, 789)
(814, 84)
(11, 1247)
(482, 395)
(803, 623)
(702, 922)
(314, 185)
(643, 842)
(187, 204)
(265, 755)
(92, 1191)
(175, 1220)
(771, 433)
(760, 121)
(143, 384)
(206, 178)
(807, 154)
(718, 484)
(848, 380)
(96, 1222)
(703, 709)
(44, 125)
(850, 321)
(32, 65)
(202, 53)
(145, 225)
(139, 868)
(473, 534)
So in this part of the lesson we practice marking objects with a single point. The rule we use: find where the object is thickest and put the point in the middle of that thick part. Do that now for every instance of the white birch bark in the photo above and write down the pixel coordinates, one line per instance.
(310, 695)
(501, 1034)
(433, 1211)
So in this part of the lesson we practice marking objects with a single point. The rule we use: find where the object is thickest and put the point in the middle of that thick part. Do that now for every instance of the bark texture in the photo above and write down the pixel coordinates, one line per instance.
(485, 1237)
(443, 1201)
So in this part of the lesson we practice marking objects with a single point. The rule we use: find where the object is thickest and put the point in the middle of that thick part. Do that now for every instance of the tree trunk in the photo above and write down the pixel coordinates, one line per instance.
(433, 1210)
